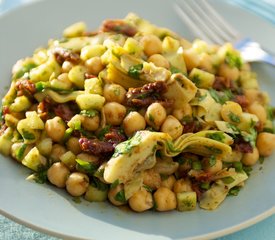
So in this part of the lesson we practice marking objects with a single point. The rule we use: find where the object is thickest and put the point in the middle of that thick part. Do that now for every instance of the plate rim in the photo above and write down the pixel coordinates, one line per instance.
(214, 234)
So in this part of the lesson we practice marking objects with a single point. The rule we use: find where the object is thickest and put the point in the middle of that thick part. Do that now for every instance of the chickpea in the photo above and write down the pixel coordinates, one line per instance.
(182, 185)
(141, 201)
(250, 159)
(116, 195)
(191, 58)
(114, 113)
(265, 143)
(151, 44)
(57, 174)
(180, 113)
(77, 184)
(159, 61)
(90, 123)
(155, 115)
(253, 95)
(55, 128)
(151, 178)
(57, 151)
(231, 112)
(133, 122)
(205, 62)
(212, 168)
(94, 65)
(73, 145)
(257, 109)
(168, 182)
(172, 126)
(165, 199)
(66, 66)
(114, 93)
(226, 71)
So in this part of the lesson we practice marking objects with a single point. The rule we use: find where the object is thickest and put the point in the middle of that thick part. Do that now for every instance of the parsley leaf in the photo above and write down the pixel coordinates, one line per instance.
(135, 71)
(217, 136)
(233, 60)
(221, 97)
(86, 167)
(234, 118)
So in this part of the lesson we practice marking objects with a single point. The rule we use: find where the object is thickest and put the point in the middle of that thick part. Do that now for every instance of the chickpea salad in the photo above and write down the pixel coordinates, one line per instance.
(136, 115)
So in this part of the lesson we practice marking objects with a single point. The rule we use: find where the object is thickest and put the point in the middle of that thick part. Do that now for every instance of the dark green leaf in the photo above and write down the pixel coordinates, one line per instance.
(238, 166)
(86, 167)
(234, 191)
(228, 180)
(217, 136)
(120, 196)
(212, 161)
(221, 97)
(27, 135)
(196, 165)
(233, 60)
(135, 71)
(24, 69)
(205, 185)
(20, 152)
(174, 70)
(234, 118)
(89, 113)
(114, 184)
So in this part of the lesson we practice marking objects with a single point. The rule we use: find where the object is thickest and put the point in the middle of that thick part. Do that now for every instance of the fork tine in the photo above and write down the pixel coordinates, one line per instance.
(200, 23)
(218, 19)
(212, 24)
(188, 20)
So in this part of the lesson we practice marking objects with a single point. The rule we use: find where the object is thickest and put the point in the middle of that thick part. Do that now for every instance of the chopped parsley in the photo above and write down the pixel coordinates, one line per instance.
(114, 184)
(196, 79)
(103, 131)
(99, 185)
(234, 191)
(174, 70)
(205, 185)
(135, 71)
(228, 180)
(221, 97)
(86, 167)
(120, 196)
(20, 152)
(233, 60)
(217, 136)
(234, 118)
(212, 161)
(27, 135)
(214, 150)
(24, 69)
(151, 118)
(247, 170)
(196, 165)
(250, 137)
(238, 166)
(89, 113)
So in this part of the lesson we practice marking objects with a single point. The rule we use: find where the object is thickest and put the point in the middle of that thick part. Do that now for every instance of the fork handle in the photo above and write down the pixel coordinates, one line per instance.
(269, 59)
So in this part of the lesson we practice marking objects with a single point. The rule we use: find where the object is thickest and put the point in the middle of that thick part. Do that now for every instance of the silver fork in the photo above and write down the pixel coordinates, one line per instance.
(207, 24)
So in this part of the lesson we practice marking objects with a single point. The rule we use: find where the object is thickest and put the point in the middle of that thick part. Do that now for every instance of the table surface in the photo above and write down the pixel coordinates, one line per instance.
(265, 229)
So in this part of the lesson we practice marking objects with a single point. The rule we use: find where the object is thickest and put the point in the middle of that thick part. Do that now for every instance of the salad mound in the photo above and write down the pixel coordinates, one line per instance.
(137, 115)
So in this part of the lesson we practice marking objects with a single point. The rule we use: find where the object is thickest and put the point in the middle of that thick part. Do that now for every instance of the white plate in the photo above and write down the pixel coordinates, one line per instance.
(50, 210)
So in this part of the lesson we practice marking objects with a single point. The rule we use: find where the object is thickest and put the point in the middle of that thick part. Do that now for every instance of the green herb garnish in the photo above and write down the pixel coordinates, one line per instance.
(234, 118)
(217, 136)
(120, 196)
(228, 180)
(135, 71)
(86, 167)
(89, 113)
(233, 60)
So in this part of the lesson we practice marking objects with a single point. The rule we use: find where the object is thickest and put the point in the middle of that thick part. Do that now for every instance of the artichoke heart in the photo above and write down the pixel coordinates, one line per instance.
(138, 153)
(180, 89)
